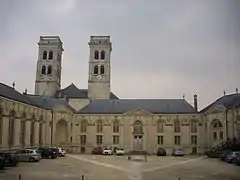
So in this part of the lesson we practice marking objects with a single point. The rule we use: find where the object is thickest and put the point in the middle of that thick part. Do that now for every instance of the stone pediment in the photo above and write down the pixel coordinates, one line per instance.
(138, 112)
(216, 109)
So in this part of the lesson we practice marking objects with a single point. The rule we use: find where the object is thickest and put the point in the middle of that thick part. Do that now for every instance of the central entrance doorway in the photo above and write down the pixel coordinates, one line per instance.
(138, 143)
(137, 136)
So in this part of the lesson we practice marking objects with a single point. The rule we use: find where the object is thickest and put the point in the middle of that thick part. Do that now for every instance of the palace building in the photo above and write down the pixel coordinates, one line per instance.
(81, 119)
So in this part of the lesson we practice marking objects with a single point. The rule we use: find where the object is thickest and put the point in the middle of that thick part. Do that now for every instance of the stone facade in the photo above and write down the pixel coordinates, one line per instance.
(99, 67)
(24, 124)
(48, 75)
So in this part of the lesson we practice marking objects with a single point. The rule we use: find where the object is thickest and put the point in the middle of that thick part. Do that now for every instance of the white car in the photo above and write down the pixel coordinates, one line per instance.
(61, 152)
(120, 152)
(107, 151)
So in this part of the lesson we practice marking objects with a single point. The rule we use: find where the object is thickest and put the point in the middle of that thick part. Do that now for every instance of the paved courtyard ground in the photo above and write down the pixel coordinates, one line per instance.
(96, 167)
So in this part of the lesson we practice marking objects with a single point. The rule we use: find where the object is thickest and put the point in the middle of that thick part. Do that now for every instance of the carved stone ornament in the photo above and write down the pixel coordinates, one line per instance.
(168, 121)
(12, 113)
(91, 122)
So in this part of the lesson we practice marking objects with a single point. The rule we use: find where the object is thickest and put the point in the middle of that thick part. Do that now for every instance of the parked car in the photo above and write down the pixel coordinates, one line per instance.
(177, 152)
(120, 151)
(47, 152)
(11, 159)
(107, 151)
(161, 152)
(212, 154)
(224, 154)
(236, 160)
(61, 152)
(97, 150)
(30, 155)
(232, 156)
(2, 163)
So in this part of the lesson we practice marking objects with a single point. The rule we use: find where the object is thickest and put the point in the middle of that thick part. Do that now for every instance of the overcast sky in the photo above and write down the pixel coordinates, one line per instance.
(161, 48)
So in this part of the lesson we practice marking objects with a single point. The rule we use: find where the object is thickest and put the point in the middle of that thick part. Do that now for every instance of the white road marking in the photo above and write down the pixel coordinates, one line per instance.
(98, 163)
(170, 165)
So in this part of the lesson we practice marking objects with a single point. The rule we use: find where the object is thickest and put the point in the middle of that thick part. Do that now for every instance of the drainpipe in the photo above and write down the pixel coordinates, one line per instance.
(226, 124)
(52, 129)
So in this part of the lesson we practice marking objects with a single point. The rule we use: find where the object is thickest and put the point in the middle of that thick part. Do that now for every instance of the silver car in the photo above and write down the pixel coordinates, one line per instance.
(177, 152)
(29, 155)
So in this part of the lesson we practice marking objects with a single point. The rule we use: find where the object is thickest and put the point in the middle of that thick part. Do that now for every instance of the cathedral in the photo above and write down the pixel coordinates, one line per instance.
(82, 119)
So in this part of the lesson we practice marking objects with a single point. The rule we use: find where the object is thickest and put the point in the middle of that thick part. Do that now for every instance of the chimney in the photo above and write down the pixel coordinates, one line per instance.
(236, 90)
(224, 93)
(195, 102)
(25, 92)
(13, 84)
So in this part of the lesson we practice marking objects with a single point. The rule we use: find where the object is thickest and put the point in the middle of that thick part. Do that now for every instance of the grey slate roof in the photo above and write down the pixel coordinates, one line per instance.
(230, 101)
(157, 106)
(11, 93)
(73, 92)
(50, 103)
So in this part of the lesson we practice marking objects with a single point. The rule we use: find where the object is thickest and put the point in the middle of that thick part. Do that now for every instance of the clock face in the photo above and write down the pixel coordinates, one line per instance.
(98, 76)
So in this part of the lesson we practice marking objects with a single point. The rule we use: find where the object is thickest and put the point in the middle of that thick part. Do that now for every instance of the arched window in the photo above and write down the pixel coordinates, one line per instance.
(44, 54)
(102, 69)
(96, 54)
(83, 126)
(177, 126)
(216, 124)
(50, 55)
(160, 126)
(137, 127)
(193, 125)
(116, 126)
(102, 54)
(99, 126)
(95, 69)
(43, 69)
(49, 71)
(217, 130)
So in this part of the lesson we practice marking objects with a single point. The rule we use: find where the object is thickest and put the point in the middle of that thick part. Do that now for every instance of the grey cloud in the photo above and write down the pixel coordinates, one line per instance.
(160, 48)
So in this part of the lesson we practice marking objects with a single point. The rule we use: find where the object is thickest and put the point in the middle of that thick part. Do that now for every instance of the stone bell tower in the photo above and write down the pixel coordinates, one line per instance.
(48, 75)
(99, 67)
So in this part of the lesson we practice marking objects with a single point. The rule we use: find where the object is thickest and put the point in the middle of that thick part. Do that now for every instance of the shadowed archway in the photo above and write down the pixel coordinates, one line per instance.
(61, 134)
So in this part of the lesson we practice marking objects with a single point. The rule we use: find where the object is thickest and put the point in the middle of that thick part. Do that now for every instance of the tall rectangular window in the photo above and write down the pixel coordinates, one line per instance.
(194, 139)
(177, 140)
(115, 139)
(160, 140)
(40, 134)
(22, 133)
(215, 136)
(1, 129)
(11, 131)
(99, 139)
(83, 139)
(221, 135)
(32, 129)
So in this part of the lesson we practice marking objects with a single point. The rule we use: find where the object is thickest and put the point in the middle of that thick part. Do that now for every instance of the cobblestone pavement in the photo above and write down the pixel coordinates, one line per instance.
(119, 168)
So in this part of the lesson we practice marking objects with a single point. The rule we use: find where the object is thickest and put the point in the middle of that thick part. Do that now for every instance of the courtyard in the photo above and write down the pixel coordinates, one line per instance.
(96, 167)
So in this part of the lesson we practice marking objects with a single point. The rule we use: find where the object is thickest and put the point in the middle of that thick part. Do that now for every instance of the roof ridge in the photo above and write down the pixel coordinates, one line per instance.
(7, 85)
